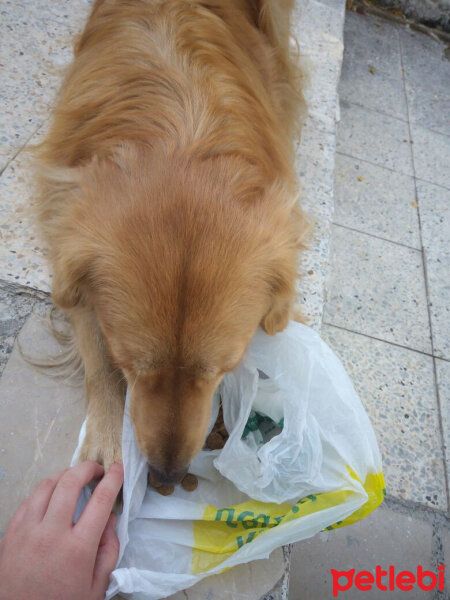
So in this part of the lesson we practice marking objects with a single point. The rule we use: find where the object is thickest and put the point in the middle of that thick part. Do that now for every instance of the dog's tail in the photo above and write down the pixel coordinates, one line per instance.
(67, 364)
(274, 19)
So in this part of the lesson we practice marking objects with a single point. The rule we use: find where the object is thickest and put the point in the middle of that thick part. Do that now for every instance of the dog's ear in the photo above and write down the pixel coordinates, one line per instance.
(67, 289)
(70, 276)
(278, 316)
(282, 265)
(281, 277)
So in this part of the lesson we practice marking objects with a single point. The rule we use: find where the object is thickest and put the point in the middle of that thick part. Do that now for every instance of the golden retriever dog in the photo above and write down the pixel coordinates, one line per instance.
(169, 208)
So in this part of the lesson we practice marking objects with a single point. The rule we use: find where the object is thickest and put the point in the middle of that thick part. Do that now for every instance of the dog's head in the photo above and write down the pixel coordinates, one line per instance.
(181, 262)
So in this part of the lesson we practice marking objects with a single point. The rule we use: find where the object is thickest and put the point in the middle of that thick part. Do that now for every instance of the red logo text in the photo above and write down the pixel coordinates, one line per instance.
(388, 580)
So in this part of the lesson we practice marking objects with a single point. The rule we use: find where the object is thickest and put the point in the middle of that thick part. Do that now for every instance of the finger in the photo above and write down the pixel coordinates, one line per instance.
(96, 513)
(39, 500)
(108, 553)
(63, 502)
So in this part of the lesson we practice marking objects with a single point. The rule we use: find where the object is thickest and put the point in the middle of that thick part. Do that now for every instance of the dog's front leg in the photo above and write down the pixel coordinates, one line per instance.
(105, 387)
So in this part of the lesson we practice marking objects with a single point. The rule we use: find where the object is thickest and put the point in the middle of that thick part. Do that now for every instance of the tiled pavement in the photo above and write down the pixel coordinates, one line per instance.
(387, 308)
(388, 301)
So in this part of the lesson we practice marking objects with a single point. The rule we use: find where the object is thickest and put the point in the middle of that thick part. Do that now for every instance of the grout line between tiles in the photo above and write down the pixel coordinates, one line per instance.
(13, 158)
(374, 110)
(378, 237)
(25, 145)
(445, 135)
(417, 123)
(369, 162)
(419, 509)
(372, 337)
(425, 274)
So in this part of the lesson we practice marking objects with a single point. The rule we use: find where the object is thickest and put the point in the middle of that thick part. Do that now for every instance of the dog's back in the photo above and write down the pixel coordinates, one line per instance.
(199, 75)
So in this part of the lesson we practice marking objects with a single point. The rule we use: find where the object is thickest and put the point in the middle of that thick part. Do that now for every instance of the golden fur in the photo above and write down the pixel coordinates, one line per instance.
(169, 206)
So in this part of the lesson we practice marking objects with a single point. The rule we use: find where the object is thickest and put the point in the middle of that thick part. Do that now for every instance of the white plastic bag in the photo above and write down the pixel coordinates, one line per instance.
(301, 457)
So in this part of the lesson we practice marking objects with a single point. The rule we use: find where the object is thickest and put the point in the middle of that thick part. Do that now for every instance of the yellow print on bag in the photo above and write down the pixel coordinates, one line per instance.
(222, 531)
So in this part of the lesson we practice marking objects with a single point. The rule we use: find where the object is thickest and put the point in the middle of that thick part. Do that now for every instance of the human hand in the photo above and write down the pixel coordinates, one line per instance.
(44, 556)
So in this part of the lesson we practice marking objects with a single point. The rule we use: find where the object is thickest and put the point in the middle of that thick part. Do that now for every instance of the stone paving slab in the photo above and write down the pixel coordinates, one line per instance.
(434, 207)
(318, 27)
(389, 274)
(378, 289)
(379, 292)
(426, 74)
(22, 254)
(360, 84)
(372, 61)
(380, 139)
(40, 420)
(36, 44)
(375, 201)
(372, 42)
(385, 538)
(431, 151)
(443, 383)
(397, 389)
(315, 166)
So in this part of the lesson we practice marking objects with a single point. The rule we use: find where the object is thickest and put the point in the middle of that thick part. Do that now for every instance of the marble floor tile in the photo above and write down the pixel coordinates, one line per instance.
(377, 138)
(377, 288)
(376, 201)
(397, 388)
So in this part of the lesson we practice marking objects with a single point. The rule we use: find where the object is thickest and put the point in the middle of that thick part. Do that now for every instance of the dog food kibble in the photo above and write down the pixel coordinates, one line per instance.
(217, 438)
(190, 482)
(215, 441)
(165, 490)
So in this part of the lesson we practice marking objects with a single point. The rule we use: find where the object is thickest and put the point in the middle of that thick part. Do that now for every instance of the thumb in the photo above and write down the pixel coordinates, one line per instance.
(107, 555)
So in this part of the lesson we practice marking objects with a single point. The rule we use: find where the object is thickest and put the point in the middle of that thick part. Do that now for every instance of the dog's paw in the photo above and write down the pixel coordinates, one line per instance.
(104, 448)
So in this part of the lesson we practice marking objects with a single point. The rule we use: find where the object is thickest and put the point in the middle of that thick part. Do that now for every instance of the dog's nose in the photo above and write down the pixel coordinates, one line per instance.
(166, 477)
